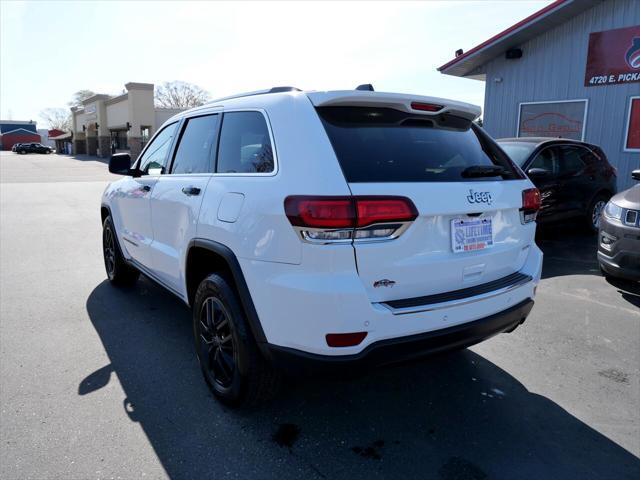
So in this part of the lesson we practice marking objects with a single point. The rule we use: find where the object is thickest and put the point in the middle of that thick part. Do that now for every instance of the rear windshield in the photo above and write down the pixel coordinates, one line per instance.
(387, 145)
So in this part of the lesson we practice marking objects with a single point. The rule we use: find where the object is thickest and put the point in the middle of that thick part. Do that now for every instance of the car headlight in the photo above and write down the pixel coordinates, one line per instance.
(612, 210)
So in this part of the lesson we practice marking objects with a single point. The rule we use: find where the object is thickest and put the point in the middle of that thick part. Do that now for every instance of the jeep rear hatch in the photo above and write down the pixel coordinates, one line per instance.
(469, 227)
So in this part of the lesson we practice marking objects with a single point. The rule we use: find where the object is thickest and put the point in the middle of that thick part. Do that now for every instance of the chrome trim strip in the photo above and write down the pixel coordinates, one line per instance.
(455, 303)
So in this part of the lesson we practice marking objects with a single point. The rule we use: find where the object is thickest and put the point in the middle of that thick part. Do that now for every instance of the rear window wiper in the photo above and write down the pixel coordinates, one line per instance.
(477, 171)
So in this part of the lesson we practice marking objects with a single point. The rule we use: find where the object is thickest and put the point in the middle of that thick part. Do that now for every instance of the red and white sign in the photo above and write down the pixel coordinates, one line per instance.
(632, 143)
(613, 57)
(561, 118)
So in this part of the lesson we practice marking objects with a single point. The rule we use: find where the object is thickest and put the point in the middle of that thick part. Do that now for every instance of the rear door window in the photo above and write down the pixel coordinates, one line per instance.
(547, 159)
(387, 145)
(571, 162)
(197, 146)
(245, 145)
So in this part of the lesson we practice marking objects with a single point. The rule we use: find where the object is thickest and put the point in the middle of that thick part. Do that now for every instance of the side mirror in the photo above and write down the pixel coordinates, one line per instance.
(120, 164)
(635, 174)
(538, 173)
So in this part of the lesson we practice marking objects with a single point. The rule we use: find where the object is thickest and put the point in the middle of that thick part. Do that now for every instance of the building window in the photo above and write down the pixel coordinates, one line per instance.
(632, 136)
(561, 118)
(145, 133)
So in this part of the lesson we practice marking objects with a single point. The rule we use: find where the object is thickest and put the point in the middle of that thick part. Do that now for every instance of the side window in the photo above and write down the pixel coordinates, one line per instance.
(571, 161)
(197, 144)
(245, 146)
(154, 160)
(547, 159)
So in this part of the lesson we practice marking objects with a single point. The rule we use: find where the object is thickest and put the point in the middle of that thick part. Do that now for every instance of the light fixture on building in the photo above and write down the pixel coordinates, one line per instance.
(513, 53)
(128, 126)
(497, 79)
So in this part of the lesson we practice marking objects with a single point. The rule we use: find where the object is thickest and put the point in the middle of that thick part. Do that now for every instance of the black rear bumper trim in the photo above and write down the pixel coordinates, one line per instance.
(504, 282)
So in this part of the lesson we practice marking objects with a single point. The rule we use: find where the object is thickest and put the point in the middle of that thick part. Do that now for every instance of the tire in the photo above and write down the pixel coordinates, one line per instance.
(594, 212)
(232, 366)
(119, 272)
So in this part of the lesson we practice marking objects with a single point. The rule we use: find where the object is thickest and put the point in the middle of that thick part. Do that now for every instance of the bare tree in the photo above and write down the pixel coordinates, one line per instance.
(178, 94)
(58, 118)
(79, 96)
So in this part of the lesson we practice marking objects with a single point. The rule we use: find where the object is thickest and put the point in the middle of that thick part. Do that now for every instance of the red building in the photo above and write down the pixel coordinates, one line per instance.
(13, 131)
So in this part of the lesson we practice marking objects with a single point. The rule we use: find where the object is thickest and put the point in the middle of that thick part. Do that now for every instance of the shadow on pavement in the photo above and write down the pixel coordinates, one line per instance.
(451, 417)
(568, 250)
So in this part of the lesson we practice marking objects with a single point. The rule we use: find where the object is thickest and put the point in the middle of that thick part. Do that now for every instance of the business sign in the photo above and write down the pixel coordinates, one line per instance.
(613, 57)
(632, 142)
(564, 119)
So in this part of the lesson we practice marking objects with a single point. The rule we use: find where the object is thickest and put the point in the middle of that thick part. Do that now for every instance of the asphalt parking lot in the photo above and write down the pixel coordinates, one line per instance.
(97, 382)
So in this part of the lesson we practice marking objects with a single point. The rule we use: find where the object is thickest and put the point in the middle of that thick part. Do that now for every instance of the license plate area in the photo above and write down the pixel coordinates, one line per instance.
(469, 235)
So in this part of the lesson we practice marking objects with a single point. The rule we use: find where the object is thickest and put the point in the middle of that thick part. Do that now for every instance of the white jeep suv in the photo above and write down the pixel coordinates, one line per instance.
(325, 230)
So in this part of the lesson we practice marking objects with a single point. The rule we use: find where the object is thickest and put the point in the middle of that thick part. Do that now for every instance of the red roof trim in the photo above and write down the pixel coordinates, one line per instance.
(504, 33)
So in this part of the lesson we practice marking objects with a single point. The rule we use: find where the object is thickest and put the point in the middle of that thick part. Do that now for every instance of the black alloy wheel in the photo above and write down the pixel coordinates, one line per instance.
(216, 346)
(109, 251)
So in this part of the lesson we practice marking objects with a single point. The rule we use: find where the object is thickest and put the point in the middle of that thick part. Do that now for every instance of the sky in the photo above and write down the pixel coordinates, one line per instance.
(51, 49)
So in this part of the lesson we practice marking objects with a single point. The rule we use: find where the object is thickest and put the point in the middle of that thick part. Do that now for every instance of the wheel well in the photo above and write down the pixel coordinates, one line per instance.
(601, 193)
(104, 213)
(202, 262)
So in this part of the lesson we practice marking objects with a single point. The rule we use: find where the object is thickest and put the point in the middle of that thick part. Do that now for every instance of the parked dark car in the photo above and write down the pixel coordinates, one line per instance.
(619, 234)
(33, 148)
(575, 178)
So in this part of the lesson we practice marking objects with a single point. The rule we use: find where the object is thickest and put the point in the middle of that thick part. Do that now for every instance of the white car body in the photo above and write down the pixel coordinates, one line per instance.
(303, 290)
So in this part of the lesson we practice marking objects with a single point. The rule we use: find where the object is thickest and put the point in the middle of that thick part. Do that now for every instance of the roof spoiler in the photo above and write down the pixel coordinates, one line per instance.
(413, 104)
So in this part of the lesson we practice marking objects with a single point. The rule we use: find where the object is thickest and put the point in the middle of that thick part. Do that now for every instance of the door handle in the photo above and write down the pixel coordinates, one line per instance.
(191, 191)
(145, 188)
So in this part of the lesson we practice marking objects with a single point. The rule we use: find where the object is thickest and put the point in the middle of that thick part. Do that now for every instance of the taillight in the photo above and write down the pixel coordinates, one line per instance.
(426, 107)
(340, 219)
(530, 205)
(383, 209)
(318, 212)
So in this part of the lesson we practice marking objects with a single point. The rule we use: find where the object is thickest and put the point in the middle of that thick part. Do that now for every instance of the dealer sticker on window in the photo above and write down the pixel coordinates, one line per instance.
(471, 235)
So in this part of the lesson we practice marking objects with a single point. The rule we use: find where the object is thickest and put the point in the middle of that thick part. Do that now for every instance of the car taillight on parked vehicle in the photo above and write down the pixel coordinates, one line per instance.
(530, 205)
(343, 219)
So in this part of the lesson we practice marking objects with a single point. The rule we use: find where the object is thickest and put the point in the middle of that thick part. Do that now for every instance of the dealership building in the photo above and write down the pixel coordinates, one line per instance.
(123, 123)
(569, 70)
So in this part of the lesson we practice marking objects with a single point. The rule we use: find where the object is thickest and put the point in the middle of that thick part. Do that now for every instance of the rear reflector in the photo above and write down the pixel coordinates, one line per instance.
(426, 107)
(531, 199)
(345, 339)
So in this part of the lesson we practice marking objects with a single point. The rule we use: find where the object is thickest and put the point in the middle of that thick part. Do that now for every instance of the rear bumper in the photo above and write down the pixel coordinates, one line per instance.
(330, 297)
(395, 350)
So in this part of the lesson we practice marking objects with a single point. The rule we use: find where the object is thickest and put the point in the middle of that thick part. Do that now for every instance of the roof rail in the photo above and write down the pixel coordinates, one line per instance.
(257, 92)
(284, 89)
